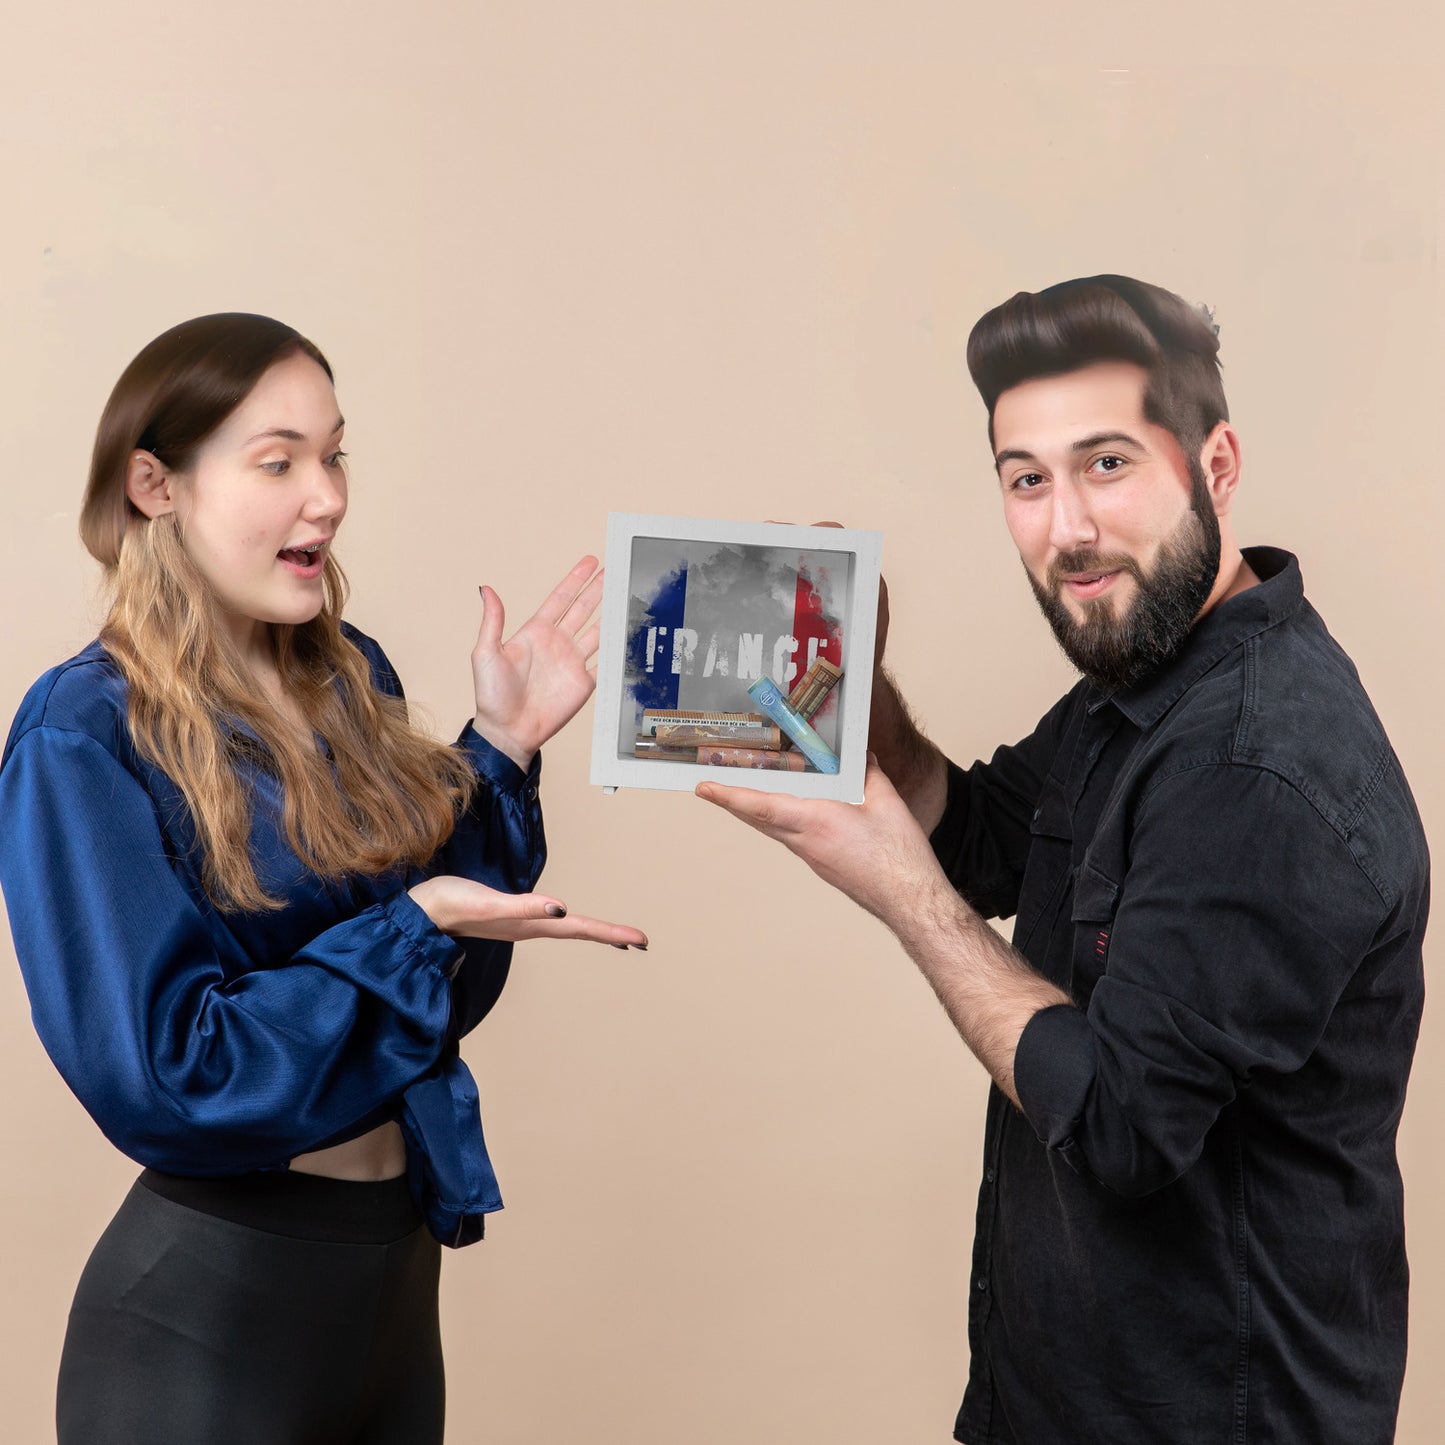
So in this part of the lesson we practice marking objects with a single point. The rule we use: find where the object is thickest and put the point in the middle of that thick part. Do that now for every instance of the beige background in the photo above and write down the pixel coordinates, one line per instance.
(720, 259)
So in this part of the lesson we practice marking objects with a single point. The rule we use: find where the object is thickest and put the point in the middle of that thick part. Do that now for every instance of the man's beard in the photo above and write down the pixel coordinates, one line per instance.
(1116, 651)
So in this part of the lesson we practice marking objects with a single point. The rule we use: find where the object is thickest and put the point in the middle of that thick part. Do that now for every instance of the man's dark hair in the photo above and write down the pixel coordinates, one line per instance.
(1106, 318)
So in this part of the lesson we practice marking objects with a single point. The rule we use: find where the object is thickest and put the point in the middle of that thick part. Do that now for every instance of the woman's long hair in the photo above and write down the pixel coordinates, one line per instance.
(387, 795)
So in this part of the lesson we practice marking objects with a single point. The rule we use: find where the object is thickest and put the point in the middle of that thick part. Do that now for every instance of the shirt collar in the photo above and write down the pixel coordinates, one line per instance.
(1279, 595)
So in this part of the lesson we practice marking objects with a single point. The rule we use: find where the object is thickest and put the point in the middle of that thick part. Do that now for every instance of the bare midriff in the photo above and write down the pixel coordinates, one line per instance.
(378, 1154)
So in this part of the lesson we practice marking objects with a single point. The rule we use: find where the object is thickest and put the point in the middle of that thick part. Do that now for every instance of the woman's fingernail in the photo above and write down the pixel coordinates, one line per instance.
(555, 910)
(622, 946)
(640, 947)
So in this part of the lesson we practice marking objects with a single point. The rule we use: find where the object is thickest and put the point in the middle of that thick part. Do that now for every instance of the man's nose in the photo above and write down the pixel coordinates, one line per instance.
(1070, 524)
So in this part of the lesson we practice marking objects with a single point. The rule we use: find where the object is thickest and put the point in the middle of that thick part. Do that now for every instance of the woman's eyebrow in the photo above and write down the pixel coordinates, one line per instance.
(288, 435)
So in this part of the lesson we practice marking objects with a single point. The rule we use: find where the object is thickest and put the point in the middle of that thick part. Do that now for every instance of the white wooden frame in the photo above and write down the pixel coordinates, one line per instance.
(864, 549)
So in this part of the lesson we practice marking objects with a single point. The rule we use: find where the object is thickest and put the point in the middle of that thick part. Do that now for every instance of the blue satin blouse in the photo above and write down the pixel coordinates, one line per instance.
(209, 1043)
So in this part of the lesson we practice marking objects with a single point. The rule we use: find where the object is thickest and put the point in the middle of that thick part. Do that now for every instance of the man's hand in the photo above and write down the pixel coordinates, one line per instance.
(880, 635)
(875, 852)
(914, 765)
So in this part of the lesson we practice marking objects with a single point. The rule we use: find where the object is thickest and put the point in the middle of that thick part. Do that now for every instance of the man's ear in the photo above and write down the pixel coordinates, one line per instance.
(1220, 460)
(148, 484)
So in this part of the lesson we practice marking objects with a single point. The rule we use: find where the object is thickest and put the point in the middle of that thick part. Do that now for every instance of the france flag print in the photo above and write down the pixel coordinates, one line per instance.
(706, 619)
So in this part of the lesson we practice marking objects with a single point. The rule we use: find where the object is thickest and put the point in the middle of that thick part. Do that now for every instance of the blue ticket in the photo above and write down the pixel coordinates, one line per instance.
(766, 694)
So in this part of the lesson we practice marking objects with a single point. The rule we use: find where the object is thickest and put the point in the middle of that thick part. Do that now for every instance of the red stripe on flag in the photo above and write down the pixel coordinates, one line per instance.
(809, 623)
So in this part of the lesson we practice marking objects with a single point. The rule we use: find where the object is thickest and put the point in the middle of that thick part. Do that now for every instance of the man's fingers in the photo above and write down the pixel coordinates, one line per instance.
(877, 786)
(879, 794)
(766, 812)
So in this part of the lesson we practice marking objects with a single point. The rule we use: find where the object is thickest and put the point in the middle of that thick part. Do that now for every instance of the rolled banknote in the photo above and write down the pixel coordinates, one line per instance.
(811, 690)
(767, 759)
(765, 693)
(675, 735)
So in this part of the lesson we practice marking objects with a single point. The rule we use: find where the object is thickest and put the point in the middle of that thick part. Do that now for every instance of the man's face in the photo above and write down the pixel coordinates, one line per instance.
(1113, 523)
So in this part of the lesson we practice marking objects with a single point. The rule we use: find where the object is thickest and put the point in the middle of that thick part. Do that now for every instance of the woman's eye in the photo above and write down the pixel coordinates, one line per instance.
(277, 469)
(335, 459)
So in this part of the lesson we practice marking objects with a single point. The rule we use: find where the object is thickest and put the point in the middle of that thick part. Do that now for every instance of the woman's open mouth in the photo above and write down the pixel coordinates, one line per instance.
(304, 561)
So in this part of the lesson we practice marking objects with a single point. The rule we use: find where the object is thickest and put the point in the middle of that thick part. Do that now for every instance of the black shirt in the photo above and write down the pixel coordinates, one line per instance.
(1194, 1230)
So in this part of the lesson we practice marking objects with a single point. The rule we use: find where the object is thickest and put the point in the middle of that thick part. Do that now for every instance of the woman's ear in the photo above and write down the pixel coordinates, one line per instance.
(148, 484)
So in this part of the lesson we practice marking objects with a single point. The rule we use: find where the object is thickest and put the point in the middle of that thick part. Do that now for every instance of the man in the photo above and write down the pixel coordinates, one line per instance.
(1190, 1223)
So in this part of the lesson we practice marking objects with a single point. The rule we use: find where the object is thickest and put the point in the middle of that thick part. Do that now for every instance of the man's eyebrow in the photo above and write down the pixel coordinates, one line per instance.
(1101, 438)
(1084, 444)
(285, 434)
(1012, 454)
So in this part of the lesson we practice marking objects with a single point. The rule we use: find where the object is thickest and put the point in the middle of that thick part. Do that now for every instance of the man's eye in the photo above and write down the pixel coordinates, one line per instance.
(277, 469)
(1025, 482)
(1110, 463)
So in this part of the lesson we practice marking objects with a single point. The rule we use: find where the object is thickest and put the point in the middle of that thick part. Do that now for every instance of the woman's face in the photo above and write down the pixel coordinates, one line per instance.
(260, 506)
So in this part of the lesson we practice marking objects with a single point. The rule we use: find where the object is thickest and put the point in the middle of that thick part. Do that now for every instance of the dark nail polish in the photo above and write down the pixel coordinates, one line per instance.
(555, 910)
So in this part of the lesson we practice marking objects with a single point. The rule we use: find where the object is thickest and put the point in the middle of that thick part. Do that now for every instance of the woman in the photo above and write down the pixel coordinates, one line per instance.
(255, 912)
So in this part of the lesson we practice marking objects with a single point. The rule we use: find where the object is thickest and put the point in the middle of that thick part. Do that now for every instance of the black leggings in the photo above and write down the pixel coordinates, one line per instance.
(277, 1309)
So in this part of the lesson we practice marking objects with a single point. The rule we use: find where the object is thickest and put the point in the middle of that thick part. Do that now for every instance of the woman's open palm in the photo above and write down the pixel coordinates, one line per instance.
(531, 685)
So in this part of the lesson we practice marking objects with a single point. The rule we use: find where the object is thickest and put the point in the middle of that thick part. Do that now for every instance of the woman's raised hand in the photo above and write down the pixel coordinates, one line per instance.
(531, 685)
(466, 909)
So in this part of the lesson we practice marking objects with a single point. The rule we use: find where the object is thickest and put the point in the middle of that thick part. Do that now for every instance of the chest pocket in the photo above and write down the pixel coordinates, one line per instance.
(1095, 900)
(1046, 875)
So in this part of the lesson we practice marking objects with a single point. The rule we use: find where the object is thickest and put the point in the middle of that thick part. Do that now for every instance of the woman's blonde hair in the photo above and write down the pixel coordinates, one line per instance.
(387, 795)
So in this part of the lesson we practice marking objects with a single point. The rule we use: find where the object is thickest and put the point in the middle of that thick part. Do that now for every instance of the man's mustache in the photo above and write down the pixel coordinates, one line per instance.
(1073, 564)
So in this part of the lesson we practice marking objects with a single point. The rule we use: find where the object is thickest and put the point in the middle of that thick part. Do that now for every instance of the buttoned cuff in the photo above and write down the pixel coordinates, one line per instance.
(497, 768)
(409, 919)
(946, 839)
(1053, 1072)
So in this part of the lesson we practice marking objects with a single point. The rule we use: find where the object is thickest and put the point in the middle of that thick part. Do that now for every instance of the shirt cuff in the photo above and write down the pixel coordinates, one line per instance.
(497, 768)
(1053, 1072)
(408, 918)
(946, 839)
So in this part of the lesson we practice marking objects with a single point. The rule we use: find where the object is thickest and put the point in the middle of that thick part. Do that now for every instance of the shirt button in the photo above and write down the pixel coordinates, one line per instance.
(531, 794)
(988, 1175)
(1037, 811)
(983, 1284)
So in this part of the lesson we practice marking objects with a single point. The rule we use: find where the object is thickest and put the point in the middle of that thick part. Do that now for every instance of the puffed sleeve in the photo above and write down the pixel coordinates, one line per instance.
(498, 841)
(182, 1069)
